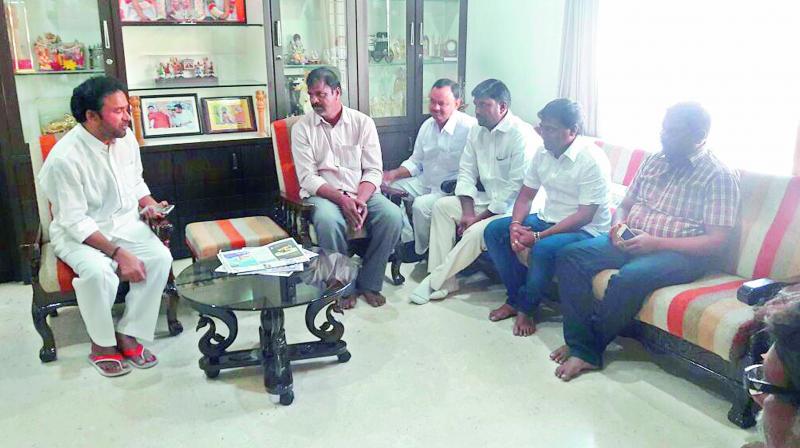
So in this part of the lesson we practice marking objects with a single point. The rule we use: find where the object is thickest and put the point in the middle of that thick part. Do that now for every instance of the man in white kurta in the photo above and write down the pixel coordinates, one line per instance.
(93, 181)
(437, 151)
(337, 157)
(496, 155)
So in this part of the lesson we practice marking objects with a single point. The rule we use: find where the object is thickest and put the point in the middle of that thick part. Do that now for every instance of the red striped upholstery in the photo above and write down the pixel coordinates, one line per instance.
(206, 239)
(282, 149)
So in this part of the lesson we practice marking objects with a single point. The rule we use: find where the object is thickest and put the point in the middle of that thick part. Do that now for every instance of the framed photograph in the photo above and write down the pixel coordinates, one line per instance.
(228, 114)
(170, 115)
(182, 11)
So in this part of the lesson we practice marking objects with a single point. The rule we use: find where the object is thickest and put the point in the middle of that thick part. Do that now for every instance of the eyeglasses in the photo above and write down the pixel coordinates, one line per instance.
(756, 384)
(548, 129)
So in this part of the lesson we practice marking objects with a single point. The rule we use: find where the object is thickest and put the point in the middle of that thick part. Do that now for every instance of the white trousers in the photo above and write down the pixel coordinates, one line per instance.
(97, 283)
(421, 210)
(446, 258)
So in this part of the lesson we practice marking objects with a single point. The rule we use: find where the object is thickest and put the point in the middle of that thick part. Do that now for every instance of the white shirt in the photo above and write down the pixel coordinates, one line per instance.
(342, 156)
(498, 157)
(581, 176)
(93, 187)
(437, 152)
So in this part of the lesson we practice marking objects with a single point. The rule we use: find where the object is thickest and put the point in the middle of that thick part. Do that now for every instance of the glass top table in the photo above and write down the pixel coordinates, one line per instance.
(216, 295)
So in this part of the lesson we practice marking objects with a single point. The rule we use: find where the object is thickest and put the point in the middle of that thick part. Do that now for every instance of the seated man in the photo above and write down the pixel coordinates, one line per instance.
(780, 402)
(681, 208)
(93, 180)
(575, 175)
(496, 155)
(440, 143)
(338, 161)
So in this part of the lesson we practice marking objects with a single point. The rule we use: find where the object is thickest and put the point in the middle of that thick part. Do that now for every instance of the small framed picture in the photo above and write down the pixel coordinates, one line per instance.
(228, 114)
(182, 11)
(170, 115)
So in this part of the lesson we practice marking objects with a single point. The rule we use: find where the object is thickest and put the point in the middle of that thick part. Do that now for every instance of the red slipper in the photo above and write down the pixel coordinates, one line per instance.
(137, 359)
(95, 360)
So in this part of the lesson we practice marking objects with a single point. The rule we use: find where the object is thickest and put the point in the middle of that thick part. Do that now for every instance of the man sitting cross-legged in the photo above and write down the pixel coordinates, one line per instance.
(496, 155)
(337, 157)
(681, 207)
(575, 175)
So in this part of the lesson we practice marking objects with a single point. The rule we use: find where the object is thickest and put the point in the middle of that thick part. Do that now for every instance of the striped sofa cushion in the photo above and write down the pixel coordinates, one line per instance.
(54, 274)
(282, 150)
(624, 162)
(705, 312)
(768, 237)
(207, 238)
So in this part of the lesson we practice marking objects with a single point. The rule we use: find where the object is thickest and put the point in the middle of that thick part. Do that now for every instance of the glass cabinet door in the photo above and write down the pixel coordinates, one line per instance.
(309, 34)
(440, 43)
(55, 45)
(387, 22)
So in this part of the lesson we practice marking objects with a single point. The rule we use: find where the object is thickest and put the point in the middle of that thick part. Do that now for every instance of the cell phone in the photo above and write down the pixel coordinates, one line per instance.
(164, 210)
(625, 233)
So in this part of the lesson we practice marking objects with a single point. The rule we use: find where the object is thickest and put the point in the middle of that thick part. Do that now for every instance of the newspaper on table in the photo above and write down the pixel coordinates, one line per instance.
(280, 258)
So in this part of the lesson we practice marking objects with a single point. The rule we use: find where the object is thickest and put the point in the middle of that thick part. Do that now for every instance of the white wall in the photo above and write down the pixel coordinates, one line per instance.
(519, 43)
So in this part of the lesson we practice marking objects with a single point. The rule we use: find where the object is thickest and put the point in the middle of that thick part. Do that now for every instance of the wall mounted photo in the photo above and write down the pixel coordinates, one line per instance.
(228, 114)
(182, 11)
(170, 115)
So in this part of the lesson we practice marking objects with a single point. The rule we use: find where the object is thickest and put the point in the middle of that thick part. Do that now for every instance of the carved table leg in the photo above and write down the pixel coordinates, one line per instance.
(275, 356)
(212, 344)
(329, 332)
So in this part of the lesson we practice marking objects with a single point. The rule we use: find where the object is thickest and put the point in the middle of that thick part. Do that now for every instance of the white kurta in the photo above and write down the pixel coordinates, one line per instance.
(95, 187)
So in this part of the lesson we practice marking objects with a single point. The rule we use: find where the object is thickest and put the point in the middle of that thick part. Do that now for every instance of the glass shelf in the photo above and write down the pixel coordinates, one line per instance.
(154, 86)
(61, 72)
(386, 64)
(233, 24)
(439, 61)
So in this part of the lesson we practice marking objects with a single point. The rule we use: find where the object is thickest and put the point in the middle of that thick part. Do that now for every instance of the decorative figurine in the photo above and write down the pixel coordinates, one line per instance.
(297, 55)
(46, 48)
(313, 57)
(71, 56)
(58, 126)
(185, 71)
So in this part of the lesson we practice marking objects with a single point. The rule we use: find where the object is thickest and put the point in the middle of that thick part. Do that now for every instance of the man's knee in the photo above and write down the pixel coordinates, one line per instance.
(98, 272)
(497, 230)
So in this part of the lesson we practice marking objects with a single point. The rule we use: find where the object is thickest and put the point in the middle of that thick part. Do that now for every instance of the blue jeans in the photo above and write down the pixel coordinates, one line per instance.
(589, 324)
(526, 286)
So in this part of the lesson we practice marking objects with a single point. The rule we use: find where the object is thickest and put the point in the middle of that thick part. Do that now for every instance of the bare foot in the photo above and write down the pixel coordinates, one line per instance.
(502, 313)
(375, 299)
(130, 348)
(573, 367)
(345, 303)
(560, 354)
(524, 325)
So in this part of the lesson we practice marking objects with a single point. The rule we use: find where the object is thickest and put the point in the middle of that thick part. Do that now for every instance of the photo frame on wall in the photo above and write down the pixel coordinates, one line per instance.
(228, 114)
(170, 115)
(182, 11)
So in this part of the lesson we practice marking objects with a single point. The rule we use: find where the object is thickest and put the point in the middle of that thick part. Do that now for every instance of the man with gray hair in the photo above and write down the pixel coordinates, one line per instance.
(775, 384)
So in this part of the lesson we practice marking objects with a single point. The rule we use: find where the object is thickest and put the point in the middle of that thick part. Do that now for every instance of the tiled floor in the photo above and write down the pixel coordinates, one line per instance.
(438, 375)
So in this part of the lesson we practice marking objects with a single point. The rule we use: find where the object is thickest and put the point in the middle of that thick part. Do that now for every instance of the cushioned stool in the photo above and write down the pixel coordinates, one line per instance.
(207, 238)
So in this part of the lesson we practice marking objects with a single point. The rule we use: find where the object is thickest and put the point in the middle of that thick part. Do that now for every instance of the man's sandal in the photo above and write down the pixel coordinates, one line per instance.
(136, 357)
(95, 360)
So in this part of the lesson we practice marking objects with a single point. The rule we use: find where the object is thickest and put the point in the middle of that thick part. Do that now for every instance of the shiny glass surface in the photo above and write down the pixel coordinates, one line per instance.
(439, 43)
(386, 26)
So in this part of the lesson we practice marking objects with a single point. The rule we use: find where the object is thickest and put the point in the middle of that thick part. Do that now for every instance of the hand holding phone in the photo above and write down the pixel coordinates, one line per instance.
(625, 233)
(164, 210)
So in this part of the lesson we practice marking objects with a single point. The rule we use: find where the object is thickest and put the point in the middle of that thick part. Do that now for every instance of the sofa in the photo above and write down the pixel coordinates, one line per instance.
(700, 330)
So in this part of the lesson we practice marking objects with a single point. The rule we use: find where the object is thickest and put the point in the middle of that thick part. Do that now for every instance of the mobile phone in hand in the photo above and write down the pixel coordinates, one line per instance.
(625, 233)
(163, 210)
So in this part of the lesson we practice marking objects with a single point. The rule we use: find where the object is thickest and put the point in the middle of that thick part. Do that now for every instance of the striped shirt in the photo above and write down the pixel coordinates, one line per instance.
(675, 201)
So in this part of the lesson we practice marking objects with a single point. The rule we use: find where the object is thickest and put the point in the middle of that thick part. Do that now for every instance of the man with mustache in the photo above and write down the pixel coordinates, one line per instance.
(681, 208)
(338, 161)
(93, 180)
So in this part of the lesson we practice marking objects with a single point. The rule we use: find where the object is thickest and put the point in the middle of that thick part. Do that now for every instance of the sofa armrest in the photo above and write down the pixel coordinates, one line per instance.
(758, 291)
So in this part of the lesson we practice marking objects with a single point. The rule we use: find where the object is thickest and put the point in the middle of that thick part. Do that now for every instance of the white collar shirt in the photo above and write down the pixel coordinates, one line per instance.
(93, 187)
(498, 159)
(580, 176)
(342, 155)
(437, 151)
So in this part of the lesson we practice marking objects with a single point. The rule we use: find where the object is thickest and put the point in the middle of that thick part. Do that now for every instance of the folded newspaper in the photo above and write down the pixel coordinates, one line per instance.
(280, 258)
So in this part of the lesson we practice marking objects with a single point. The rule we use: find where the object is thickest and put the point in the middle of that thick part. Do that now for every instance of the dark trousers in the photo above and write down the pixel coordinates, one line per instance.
(526, 286)
(589, 324)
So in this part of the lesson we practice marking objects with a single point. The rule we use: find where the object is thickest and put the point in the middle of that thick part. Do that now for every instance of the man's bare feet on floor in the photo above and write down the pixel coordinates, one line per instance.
(573, 367)
(524, 325)
(502, 313)
(375, 299)
(560, 354)
(345, 303)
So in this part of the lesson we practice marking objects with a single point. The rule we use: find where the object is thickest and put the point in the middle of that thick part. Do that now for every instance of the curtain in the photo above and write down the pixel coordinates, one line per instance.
(578, 77)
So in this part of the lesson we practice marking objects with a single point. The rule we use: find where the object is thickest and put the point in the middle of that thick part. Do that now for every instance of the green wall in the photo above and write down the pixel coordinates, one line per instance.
(518, 42)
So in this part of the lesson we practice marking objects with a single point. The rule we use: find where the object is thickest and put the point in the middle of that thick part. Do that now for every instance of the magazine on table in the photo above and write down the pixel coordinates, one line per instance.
(274, 257)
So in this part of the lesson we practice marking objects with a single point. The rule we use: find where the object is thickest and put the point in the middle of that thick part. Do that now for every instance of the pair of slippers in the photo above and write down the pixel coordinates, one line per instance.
(135, 357)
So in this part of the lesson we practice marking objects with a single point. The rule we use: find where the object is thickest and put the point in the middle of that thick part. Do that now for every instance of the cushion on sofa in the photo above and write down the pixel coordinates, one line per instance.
(54, 274)
(206, 239)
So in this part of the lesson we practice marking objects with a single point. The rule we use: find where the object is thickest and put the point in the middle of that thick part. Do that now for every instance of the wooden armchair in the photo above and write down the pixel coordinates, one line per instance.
(51, 280)
(292, 212)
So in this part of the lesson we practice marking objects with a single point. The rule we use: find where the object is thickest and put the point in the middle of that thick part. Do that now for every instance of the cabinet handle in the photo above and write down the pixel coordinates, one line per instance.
(420, 32)
(411, 32)
(105, 35)
(278, 29)
(235, 161)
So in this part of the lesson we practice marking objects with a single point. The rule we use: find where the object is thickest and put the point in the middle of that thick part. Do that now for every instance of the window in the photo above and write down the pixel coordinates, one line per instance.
(740, 60)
